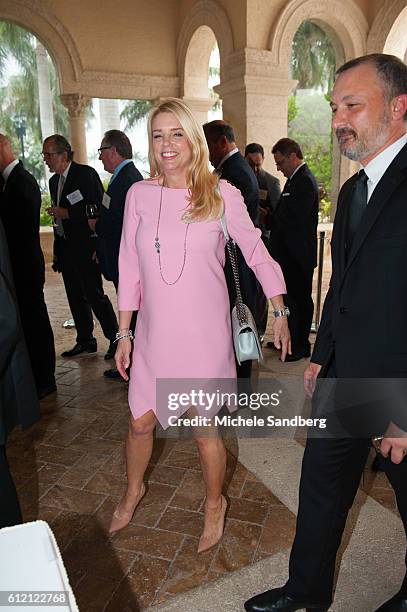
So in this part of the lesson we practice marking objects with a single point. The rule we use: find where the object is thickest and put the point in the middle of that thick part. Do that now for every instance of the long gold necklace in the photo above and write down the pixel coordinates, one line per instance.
(157, 244)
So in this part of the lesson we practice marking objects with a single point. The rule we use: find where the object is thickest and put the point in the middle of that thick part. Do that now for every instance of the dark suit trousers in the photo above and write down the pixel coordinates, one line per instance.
(299, 301)
(331, 472)
(84, 289)
(10, 513)
(38, 334)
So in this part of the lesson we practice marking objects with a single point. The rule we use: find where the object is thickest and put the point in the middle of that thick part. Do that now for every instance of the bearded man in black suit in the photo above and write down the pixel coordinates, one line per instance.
(20, 203)
(361, 346)
(72, 187)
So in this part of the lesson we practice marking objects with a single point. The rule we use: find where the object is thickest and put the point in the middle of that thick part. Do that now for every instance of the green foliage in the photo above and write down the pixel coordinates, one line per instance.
(313, 58)
(325, 206)
(312, 129)
(45, 218)
(292, 109)
(313, 65)
(134, 111)
(19, 97)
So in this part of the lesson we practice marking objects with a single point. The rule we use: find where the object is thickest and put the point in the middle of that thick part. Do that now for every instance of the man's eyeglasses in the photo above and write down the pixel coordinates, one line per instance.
(46, 155)
(103, 148)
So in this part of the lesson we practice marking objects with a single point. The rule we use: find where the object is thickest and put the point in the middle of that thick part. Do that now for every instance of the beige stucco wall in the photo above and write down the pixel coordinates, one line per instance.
(103, 51)
(138, 37)
(139, 49)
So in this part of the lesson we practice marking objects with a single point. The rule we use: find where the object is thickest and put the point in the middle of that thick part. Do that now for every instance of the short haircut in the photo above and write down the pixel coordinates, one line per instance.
(286, 146)
(61, 144)
(118, 139)
(218, 128)
(254, 147)
(392, 73)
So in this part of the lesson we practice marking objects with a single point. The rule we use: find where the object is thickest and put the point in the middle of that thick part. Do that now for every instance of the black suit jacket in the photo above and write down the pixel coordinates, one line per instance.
(364, 320)
(237, 171)
(20, 213)
(18, 394)
(77, 233)
(109, 225)
(269, 183)
(293, 226)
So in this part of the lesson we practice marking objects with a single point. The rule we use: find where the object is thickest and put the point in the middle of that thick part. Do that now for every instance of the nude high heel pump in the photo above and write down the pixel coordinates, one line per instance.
(212, 533)
(121, 518)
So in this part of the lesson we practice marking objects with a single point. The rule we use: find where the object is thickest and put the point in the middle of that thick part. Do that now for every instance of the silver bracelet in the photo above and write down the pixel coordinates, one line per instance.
(120, 336)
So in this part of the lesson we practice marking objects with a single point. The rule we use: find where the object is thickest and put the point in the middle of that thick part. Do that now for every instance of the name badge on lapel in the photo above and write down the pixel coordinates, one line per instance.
(74, 197)
(285, 194)
(106, 201)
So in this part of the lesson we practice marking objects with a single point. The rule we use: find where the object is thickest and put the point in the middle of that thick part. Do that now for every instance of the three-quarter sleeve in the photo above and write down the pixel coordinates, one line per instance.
(248, 239)
(129, 291)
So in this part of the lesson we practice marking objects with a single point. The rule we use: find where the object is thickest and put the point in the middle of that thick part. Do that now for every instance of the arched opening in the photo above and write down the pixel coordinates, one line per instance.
(347, 29)
(201, 72)
(313, 64)
(30, 106)
(396, 42)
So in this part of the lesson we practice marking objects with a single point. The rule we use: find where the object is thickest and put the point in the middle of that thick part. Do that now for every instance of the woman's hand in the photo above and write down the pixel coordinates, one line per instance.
(122, 357)
(282, 338)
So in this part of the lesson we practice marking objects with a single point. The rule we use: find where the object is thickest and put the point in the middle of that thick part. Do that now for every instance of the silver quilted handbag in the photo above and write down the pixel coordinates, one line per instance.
(245, 337)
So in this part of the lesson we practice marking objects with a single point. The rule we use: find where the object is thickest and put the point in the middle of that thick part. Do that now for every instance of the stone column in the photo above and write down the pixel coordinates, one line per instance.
(76, 105)
(254, 96)
(200, 107)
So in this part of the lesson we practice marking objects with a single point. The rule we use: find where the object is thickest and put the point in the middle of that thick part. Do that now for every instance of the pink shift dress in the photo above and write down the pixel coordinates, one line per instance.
(183, 330)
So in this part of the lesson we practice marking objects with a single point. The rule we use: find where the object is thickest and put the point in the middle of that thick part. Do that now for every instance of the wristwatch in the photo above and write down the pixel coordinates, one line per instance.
(282, 313)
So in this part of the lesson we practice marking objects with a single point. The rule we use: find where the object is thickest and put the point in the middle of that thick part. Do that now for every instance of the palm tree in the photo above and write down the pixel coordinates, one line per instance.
(31, 96)
(313, 58)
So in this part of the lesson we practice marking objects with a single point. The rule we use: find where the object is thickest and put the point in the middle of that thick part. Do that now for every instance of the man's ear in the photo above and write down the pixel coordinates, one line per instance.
(223, 141)
(399, 107)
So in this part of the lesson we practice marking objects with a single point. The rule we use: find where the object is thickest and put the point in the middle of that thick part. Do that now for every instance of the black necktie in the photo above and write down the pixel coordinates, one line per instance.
(357, 205)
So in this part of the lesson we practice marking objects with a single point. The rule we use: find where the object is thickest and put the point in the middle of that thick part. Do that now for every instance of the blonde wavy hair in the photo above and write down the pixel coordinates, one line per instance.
(205, 200)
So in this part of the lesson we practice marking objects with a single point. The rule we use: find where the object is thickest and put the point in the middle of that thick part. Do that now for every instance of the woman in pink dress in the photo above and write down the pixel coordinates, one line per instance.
(171, 261)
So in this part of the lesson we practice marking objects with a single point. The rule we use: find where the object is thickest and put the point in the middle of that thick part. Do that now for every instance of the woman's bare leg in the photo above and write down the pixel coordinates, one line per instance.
(212, 455)
(139, 445)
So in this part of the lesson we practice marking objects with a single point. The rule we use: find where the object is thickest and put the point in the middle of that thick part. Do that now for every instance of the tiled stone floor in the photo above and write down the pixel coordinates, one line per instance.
(69, 470)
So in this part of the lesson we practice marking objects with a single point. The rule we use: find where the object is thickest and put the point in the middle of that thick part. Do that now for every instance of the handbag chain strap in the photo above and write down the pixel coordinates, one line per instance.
(231, 249)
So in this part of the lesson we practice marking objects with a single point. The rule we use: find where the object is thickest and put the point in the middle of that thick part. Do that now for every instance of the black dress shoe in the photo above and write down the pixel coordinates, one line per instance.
(276, 600)
(113, 373)
(296, 356)
(110, 353)
(398, 603)
(88, 347)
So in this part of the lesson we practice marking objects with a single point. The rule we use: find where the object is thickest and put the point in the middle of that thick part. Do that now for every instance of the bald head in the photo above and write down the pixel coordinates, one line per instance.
(6, 152)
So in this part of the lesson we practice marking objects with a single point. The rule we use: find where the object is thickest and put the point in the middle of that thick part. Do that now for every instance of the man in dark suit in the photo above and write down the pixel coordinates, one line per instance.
(362, 337)
(72, 187)
(116, 155)
(269, 185)
(293, 241)
(230, 164)
(269, 190)
(18, 396)
(20, 212)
